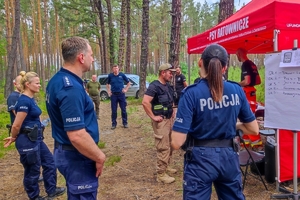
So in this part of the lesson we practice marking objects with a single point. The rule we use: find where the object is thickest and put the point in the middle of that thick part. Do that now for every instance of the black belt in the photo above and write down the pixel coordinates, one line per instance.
(213, 143)
(64, 146)
(116, 93)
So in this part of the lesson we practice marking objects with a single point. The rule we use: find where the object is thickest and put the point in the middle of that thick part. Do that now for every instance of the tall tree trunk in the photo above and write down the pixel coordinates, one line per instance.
(47, 42)
(128, 43)
(225, 10)
(8, 26)
(24, 36)
(35, 43)
(13, 51)
(98, 5)
(175, 33)
(111, 36)
(21, 52)
(57, 47)
(122, 35)
(144, 47)
(41, 66)
(99, 39)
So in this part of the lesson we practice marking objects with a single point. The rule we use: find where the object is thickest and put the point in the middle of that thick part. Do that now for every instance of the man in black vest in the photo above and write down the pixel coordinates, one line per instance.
(180, 84)
(158, 103)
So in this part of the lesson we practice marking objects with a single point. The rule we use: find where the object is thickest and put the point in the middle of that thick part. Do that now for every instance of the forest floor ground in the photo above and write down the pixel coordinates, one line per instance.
(133, 178)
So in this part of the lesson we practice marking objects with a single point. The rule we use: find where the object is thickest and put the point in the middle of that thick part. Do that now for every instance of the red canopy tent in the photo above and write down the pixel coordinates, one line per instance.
(261, 26)
(258, 27)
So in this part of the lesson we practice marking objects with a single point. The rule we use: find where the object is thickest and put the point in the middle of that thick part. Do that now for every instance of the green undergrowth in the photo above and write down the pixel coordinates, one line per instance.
(111, 160)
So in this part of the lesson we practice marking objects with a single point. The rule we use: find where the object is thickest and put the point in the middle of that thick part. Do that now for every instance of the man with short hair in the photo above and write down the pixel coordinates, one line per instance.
(180, 84)
(93, 89)
(249, 76)
(74, 122)
(158, 104)
(116, 91)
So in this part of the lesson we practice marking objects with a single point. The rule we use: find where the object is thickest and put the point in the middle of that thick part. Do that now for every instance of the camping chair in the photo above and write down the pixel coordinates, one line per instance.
(247, 158)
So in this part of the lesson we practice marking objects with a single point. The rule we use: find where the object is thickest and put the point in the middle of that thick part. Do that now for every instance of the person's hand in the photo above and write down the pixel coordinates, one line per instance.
(99, 168)
(124, 90)
(8, 141)
(109, 93)
(158, 118)
(173, 114)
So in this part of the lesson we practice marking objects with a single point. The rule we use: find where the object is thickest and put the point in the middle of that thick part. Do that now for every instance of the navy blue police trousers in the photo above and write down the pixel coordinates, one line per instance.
(79, 172)
(115, 99)
(210, 165)
(33, 155)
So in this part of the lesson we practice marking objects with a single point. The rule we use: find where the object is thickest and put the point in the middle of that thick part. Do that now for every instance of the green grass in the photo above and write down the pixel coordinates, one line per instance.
(111, 160)
(101, 145)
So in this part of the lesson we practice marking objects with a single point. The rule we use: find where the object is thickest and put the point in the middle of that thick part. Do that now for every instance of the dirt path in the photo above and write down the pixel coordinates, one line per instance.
(133, 178)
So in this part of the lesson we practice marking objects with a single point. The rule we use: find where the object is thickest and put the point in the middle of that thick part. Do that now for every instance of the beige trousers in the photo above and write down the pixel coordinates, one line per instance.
(162, 136)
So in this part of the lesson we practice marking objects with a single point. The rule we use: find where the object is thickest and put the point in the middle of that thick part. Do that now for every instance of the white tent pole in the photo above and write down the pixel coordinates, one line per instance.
(275, 45)
(189, 68)
(275, 39)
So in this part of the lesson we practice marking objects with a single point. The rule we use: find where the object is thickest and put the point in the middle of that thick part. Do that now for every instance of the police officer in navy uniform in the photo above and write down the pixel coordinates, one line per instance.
(207, 114)
(74, 122)
(158, 103)
(27, 133)
(13, 97)
(116, 91)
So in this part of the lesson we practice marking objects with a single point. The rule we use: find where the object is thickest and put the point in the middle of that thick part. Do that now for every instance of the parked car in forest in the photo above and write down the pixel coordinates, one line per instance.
(133, 90)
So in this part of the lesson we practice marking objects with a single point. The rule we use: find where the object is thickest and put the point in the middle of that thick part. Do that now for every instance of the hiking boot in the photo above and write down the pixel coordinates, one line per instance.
(113, 127)
(58, 191)
(171, 170)
(164, 178)
(126, 126)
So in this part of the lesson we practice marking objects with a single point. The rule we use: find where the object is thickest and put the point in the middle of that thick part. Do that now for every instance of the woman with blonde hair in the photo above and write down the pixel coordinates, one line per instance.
(27, 132)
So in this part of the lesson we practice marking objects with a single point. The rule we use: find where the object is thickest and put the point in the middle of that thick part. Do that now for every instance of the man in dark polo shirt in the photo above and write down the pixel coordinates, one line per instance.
(116, 91)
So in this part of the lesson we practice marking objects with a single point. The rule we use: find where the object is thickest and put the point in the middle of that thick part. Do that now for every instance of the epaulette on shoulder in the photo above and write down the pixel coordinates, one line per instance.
(188, 87)
(193, 85)
(67, 81)
(234, 82)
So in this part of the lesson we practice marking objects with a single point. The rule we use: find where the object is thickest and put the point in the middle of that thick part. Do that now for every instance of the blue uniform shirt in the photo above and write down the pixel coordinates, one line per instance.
(11, 102)
(117, 82)
(201, 117)
(69, 107)
(29, 106)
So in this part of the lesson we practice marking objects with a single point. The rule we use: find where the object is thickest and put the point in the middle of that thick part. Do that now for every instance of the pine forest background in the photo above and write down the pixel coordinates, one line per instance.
(138, 35)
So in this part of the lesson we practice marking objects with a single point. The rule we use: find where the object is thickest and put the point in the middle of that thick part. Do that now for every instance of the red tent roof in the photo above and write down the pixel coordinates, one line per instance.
(252, 27)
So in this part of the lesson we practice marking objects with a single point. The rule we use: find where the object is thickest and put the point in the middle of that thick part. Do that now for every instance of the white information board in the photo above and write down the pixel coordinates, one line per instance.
(282, 94)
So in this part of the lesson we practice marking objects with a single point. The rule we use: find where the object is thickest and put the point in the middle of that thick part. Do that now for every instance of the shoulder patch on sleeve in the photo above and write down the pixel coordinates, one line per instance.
(67, 81)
